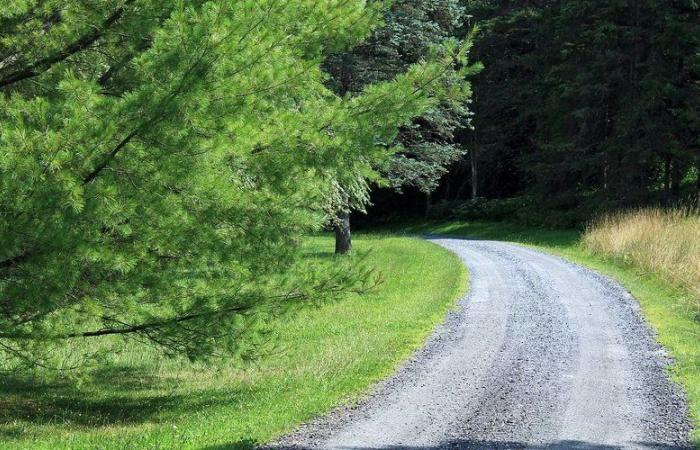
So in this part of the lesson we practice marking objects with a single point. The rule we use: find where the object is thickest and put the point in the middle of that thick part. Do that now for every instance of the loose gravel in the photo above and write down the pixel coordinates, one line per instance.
(540, 354)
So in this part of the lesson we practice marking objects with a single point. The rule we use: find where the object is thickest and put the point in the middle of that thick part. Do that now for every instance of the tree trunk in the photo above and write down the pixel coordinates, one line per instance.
(676, 176)
(606, 169)
(343, 242)
(667, 180)
(475, 180)
(464, 180)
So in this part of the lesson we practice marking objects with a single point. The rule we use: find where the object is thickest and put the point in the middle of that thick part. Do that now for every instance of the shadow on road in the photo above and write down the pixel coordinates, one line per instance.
(470, 445)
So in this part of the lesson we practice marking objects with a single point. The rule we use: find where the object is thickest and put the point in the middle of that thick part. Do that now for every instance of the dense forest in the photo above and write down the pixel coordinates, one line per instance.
(583, 106)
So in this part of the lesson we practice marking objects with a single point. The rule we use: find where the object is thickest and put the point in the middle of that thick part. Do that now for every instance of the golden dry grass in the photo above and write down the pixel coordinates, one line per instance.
(661, 241)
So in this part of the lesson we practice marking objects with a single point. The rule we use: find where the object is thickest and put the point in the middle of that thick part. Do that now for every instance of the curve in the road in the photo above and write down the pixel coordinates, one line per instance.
(540, 354)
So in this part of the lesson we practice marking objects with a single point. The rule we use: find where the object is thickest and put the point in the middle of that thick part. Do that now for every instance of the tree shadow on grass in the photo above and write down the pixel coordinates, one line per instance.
(497, 231)
(109, 396)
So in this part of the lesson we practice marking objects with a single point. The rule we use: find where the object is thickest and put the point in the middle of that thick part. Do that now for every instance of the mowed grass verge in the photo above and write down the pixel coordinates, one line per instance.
(328, 355)
(667, 307)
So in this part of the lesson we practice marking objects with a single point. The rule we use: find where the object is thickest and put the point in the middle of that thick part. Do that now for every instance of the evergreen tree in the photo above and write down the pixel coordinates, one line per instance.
(584, 105)
(160, 162)
(617, 120)
(413, 30)
(506, 96)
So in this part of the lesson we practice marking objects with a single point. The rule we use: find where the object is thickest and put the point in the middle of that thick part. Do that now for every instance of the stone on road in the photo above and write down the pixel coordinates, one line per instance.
(540, 354)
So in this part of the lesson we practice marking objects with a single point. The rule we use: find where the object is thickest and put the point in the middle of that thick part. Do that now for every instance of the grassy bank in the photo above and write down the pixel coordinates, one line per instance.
(328, 355)
(658, 241)
(666, 305)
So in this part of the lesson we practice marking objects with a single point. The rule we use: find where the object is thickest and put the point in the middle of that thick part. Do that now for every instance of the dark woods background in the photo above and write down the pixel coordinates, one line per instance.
(582, 107)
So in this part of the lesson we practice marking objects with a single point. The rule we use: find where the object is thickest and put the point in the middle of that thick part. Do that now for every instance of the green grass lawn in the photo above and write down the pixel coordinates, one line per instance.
(329, 355)
(665, 307)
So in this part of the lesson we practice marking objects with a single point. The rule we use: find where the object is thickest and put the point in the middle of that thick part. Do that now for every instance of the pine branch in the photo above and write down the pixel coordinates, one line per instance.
(11, 262)
(332, 286)
(100, 167)
(143, 45)
(155, 325)
(78, 45)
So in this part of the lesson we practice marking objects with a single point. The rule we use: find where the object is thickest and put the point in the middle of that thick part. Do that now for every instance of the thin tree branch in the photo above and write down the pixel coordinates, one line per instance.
(100, 167)
(78, 45)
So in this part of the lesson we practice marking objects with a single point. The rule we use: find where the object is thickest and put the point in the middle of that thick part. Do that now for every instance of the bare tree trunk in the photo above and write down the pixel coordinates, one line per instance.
(343, 243)
(473, 156)
(464, 181)
(606, 170)
(475, 179)
(667, 179)
(676, 176)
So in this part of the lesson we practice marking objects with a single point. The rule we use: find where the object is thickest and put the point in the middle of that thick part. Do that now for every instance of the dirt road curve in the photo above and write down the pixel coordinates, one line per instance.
(541, 354)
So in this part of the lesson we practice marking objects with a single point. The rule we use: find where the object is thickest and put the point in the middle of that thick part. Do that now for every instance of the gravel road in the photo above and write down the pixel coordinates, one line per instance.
(540, 354)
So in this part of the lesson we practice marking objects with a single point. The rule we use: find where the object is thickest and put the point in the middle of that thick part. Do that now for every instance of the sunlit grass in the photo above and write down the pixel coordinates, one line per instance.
(660, 241)
(328, 355)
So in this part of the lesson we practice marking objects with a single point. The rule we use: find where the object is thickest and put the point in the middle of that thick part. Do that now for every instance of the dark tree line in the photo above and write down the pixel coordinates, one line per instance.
(583, 106)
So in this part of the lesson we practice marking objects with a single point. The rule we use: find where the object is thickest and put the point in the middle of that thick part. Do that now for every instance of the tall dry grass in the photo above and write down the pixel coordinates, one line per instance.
(661, 241)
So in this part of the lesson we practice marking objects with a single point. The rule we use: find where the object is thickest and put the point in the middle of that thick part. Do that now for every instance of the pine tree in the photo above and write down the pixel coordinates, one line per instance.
(161, 161)
(413, 30)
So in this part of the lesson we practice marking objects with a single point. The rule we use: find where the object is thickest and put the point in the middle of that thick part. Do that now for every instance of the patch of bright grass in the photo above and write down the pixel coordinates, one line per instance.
(331, 354)
(666, 307)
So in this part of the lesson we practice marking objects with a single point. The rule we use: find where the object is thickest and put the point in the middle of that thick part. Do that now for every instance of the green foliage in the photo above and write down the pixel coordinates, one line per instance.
(159, 163)
(627, 117)
(523, 210)
(480, 208)
(413, 32)
(585, 104)
(136, 399)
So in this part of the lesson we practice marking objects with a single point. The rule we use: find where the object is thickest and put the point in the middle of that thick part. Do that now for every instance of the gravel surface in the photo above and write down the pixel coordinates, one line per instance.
(541, 354)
